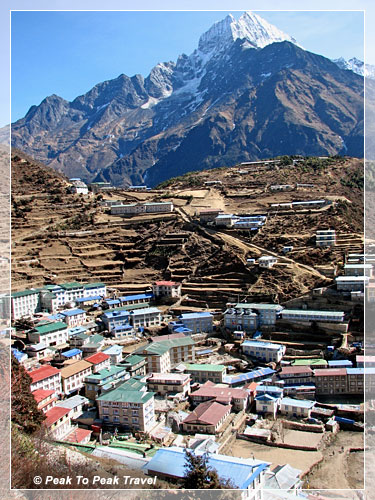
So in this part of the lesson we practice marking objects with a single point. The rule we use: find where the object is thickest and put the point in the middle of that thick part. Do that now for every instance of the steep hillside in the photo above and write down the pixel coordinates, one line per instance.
(59, 237)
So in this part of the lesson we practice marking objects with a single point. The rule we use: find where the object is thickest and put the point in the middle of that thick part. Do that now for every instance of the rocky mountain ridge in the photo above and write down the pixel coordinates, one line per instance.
(247, 92)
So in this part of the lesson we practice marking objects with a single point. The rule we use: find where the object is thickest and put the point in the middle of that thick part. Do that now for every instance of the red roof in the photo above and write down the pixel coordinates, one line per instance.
(166, 283)
(43, 372)
(252, 386)
(209, 413)
(295, 370)
(220, 392)
(54, 414)
(77, 435)
(97, 358)
(41, 394)
(325, 372)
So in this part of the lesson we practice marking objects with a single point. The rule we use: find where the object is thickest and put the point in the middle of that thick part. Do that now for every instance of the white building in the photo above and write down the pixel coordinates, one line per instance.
(72, 376)
(166, 289)
(147, 317)
(51, 334)
(358, 270)
(266, 351)
(296, 407)
(25, 303)
(267, 261)
(351, 283)
(325, 238)
(267, 404)
(74, 317)
(78, 186)
(308, 316)
(46, 377)
(226, 220)
(197, 322)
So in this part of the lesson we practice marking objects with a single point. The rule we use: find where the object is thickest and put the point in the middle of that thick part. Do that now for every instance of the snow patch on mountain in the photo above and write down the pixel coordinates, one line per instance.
(357, 66)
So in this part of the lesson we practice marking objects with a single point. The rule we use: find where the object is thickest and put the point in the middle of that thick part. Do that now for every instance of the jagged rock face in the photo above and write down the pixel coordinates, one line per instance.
(247, 92)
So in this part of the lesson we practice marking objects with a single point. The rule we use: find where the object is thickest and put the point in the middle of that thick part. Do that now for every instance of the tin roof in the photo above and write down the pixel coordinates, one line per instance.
(209, 413)
(43, 372)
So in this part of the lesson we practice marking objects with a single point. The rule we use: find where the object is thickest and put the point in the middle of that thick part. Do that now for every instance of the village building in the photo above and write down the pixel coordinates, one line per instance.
(267, 405)
(313, 362)
(325, 238)
(72, 376)
(99, 361)
(358, 270)
(135, 365)
(25, 303)
(351, 283)
(266, 351)
(267, 261)
(296, 375)
(296, 407)
(355, 380)
(73, 291)
(207, 417)
(39, 351)
(45, 398)
(245, 473)
(96, 289)
(114, 318)
(93, 344)
(197, 322)
(57, 422)
(340, 363)
(115, 353)
(165, 383)
(129, 407)
(78, 435)
(206, 372)
(139, 298)
(330, 381)
(166, 289)
(73, 317)
(305, 315)
(78, 186)
(106, 379)
(146, 317)
(209, 215)
(162, 355)
(47, 378)
(226, 220)
(238, 398)
(75, 404)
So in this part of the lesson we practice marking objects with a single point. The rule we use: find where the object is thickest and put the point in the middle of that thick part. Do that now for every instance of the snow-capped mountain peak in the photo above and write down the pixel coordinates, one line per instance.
(356, 66)
(250, 26)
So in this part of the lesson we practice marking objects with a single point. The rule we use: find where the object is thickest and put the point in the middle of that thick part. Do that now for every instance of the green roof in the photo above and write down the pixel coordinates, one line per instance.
(128, 392)
(24, 293)
(162, 346)
(73, 284)
(134, 359)
(204, 367)
(50, 327)
(107, 372)
(127, 308)
(94, 285)
(308, 362)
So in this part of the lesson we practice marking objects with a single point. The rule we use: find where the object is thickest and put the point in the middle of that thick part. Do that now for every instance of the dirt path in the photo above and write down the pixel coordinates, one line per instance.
(340, 468)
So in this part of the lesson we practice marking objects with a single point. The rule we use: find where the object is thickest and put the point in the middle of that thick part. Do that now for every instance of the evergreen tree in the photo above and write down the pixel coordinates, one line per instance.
(199, 475)
(25, 412)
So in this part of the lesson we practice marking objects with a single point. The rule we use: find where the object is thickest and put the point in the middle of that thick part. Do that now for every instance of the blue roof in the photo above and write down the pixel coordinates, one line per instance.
(119, 328)
(71, 353)
(258, 343)
(88, 299)
(244, 377)
(241, 472)
(340, 362)
(301, 403)
(355, 371)
(182, 329)
(269, 389)
(204, 351)
(266, 397)
(116, 314)
(112, 302)
(72, 312)
(76, 330)
(114, 349)
(139, 296)
(195, 315)
(18, 354)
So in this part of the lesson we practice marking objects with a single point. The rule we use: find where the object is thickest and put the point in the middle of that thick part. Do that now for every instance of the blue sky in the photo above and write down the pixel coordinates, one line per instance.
(68, 52)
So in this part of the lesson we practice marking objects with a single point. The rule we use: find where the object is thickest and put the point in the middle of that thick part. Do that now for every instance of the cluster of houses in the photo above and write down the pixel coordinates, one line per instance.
(239, 222)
